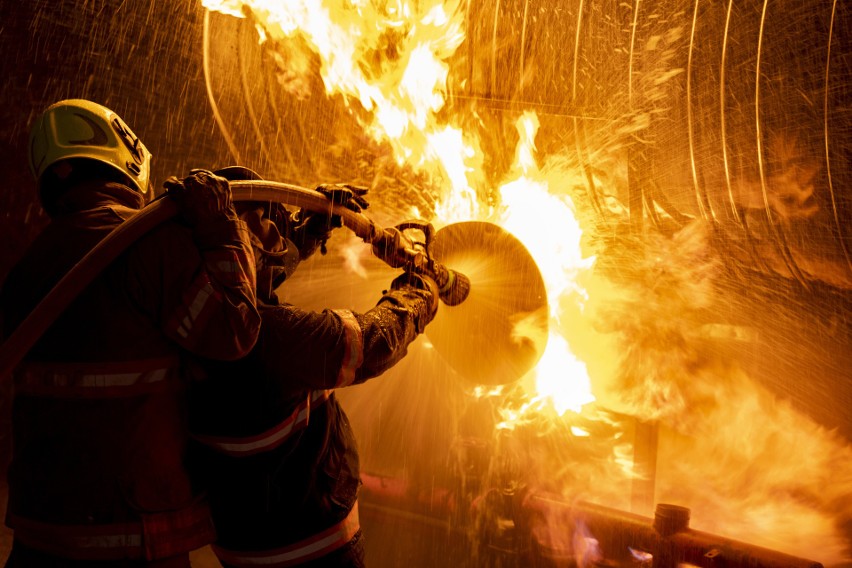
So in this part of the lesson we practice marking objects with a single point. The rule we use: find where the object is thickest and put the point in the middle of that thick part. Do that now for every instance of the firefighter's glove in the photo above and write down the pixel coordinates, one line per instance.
(203, 197)
(425, 305)
(350, 196)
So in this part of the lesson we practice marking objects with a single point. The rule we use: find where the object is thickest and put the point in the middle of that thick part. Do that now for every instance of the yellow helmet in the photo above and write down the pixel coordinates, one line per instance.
(77, 128)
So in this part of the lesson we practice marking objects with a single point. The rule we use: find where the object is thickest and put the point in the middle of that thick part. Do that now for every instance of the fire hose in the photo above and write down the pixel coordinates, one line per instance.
(392, 245)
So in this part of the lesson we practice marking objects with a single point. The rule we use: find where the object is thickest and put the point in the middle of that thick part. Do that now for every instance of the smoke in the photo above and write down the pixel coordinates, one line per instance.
(665, 292)
(748, 464)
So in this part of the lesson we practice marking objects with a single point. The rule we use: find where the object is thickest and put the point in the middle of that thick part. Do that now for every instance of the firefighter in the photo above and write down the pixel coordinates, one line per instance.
(98, 475)
(274, 449)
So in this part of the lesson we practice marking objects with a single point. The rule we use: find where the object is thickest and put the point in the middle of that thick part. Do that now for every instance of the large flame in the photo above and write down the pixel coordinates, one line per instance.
(642, 345)
(547, 225)
(391, 58)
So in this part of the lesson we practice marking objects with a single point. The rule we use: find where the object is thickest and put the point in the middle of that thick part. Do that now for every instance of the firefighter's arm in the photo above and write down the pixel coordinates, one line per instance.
(207, 273)
(338, 348)
(217, 317)
(399, 317)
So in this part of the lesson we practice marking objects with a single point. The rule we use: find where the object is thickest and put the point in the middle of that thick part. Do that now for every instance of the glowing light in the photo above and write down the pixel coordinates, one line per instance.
(547, 225)
(641, 555)
(391, 58)
(587, 551)
(561, 378)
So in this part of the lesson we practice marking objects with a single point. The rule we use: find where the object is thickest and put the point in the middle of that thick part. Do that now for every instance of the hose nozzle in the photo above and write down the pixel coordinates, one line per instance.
(453, 286)
(399, 250)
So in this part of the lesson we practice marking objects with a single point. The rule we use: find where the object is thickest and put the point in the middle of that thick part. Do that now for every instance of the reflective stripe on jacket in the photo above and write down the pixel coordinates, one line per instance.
(99, 380)
(272, 438)
(103, 390)
(156, 536)
(353, 354)
(311, 548)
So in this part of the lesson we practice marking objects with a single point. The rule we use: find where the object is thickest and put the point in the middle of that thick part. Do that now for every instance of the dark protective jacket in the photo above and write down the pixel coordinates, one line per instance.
(99, 414)
(276, 452)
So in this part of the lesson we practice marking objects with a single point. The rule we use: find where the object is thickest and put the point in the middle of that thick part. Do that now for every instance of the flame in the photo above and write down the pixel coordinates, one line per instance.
(391, 58)
(563, 378)
(448, 148)
(547, 225)
(545, 222)
(587, 551)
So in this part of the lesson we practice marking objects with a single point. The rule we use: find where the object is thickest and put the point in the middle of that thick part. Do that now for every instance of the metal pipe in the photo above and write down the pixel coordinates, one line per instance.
(623, 538)
(667, 537)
